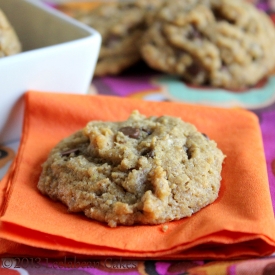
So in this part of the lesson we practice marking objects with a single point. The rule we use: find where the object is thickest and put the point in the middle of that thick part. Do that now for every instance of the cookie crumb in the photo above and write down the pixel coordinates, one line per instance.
(164, 228)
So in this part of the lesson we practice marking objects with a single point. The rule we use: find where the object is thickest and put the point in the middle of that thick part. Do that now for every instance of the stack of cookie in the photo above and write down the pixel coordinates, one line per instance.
(121, 25)
(9, 42)
(221, 43)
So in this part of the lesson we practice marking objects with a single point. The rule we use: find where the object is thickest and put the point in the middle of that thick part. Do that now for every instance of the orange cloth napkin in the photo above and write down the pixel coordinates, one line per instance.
(239, 223)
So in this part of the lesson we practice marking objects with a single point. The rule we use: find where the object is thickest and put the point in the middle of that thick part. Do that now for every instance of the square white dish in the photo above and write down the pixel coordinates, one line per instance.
(59, 55)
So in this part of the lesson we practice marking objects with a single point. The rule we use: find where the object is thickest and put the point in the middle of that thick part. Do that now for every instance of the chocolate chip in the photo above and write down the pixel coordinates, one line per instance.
(188, 152)
(149, 153)
(220, 16)
(70, 151)
(194, 69)
(130, 132)
(194, 34)
(147, 131)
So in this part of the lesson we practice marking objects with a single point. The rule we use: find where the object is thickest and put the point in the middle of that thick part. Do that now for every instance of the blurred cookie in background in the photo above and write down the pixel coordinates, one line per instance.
(9, 42)
(121, 27)
(226, 43)
(214, 43)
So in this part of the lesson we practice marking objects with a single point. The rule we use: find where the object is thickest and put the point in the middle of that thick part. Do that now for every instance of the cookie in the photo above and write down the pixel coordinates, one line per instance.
(225, 43)
(149, 8)
(145, 170)
(9, 42)
(121, 29)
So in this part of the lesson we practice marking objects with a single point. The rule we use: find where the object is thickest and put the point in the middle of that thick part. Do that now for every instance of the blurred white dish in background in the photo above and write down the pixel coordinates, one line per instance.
(59, 55)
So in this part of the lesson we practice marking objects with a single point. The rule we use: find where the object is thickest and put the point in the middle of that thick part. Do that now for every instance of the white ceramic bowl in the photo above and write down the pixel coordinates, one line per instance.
(59, 55)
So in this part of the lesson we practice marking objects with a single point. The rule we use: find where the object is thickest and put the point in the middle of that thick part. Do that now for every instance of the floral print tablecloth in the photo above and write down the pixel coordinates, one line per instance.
(141, 82)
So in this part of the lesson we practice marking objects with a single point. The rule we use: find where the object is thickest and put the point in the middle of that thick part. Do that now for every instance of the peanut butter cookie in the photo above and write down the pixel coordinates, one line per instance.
(9, 42)
(121, 25)
(225, 43)
(139, 171)
(121, 29)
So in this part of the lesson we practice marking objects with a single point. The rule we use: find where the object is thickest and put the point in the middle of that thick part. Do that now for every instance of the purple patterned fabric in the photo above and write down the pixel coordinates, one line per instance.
(121, 86)
(268, 133)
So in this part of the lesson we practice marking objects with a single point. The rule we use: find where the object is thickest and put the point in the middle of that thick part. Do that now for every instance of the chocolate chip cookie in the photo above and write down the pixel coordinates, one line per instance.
(121, 29)
(9, 42)
(145, 170)
(121, 25)
(225, 43)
